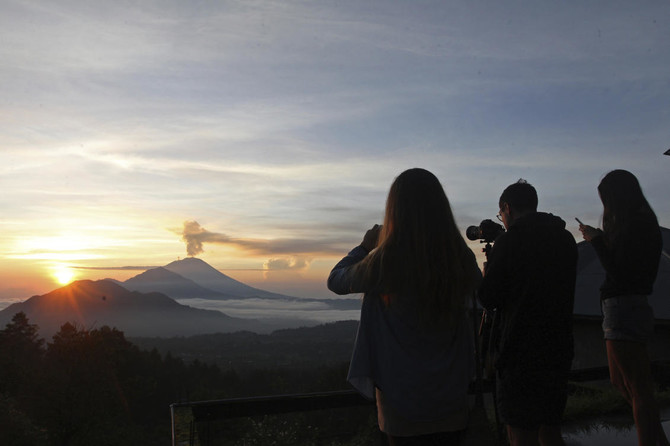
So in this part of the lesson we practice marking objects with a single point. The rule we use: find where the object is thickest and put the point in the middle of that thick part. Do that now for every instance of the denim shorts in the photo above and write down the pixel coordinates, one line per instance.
(528, 398)
(627, 318)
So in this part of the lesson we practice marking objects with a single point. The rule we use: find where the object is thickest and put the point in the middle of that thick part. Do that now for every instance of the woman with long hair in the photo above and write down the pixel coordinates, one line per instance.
(629, 248)
(414, 350)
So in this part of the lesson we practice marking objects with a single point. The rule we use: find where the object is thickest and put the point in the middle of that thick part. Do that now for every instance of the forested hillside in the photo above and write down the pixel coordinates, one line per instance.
(328, 344)
(96, 387)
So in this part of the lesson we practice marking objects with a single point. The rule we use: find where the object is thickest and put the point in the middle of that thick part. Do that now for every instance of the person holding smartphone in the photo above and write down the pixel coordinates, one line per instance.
(414, 350)
(629, 248)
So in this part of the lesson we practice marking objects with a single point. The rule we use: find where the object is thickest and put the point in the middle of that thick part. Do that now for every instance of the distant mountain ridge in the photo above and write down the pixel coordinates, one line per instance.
(167, 282)
(209, 277)
(192, 278)
(92, 304)
(145, 305)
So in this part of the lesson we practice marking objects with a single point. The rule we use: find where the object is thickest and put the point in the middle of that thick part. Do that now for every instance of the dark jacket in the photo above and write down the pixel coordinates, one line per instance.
(631, 258)
(530, 280)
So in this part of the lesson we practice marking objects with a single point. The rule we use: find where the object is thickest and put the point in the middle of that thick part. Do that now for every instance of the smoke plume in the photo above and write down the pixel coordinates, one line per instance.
(195, 235)
(291, 253)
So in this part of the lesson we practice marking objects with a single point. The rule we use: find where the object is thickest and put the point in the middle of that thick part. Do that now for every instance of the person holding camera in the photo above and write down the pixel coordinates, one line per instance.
(629, 248)
(414, 350)
(529, 280)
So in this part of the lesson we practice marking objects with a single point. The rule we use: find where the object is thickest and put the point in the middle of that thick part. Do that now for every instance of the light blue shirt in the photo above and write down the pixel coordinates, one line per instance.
(423, 375)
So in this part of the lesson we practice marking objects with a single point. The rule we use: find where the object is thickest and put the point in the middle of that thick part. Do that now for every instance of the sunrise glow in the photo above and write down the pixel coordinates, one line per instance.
(269, 146)
(63, 275)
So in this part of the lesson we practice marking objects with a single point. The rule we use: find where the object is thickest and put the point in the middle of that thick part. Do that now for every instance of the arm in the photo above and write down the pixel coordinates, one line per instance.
(633, 254)
(345, 278)
(597, 240)
(603, 251)
(589, 232)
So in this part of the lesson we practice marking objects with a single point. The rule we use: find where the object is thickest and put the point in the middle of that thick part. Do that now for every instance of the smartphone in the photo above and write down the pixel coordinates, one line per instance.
(579, 221)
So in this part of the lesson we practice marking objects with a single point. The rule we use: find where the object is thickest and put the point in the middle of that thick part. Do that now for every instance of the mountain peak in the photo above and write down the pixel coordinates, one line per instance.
(87, 285)
(189, 259)
(192, 260)
(154, 274)
(211, 278)
(191, 264)
(171, 283)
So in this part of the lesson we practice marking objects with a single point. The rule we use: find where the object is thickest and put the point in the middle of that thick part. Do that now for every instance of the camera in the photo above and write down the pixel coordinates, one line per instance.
(487, 231)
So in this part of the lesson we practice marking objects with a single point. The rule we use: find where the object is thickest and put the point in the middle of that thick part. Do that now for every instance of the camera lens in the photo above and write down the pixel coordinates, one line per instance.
(473, 233)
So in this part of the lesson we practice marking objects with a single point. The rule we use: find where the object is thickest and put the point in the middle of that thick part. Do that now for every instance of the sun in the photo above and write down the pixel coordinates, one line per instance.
(63, 275)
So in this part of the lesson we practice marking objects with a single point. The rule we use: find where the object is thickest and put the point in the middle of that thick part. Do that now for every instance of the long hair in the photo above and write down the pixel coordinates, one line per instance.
(622, 199)
(421, 252)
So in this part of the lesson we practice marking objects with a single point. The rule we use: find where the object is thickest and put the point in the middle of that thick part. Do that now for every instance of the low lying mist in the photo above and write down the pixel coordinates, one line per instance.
(256, 308)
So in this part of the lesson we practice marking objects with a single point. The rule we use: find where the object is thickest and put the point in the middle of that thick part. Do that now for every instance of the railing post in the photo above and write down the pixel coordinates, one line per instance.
(174, 438)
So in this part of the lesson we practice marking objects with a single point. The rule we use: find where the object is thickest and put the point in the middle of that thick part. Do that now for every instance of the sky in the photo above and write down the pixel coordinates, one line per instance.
(262, 137)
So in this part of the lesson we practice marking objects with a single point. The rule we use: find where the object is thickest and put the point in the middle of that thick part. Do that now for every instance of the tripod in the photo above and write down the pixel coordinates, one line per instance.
(488, 339)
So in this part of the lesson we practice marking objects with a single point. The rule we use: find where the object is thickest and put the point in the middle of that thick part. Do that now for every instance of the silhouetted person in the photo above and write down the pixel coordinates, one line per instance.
(414, 346)
(530, 281)
(629, 248)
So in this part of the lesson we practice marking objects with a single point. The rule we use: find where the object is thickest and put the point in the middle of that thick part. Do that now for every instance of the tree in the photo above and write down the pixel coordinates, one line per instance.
(86, 396)
(103, 390)
(21, 354)
(21, 359)
(16, 426)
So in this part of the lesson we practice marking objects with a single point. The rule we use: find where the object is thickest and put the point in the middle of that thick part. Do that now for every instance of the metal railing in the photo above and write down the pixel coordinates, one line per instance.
(215, 410)
(207, 411)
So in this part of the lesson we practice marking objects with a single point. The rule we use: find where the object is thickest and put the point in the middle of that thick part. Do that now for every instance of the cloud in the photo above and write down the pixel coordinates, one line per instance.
(114, 268)
(293, 250)
(275, 309)
(290, 266)
(286, 263)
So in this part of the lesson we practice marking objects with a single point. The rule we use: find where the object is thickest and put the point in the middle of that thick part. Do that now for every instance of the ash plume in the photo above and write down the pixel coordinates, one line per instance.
(291, 253)
(195, 235)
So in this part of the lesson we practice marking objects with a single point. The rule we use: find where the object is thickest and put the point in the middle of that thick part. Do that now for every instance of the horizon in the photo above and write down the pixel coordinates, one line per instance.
(263, 137)
(189, 282)
(245, 302)
(140, 271)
